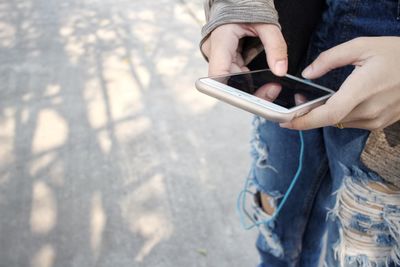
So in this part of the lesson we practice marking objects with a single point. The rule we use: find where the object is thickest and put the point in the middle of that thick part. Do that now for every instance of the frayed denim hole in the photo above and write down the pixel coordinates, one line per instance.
(255, 190)
(359, 175)
(380, 226)
(259, 149)
(356, 225)
(385, 240)
(363, 224)
(258, 214)
(274, 195)
(393, 222)
(272, 244)
(391, 209)
(360, 260)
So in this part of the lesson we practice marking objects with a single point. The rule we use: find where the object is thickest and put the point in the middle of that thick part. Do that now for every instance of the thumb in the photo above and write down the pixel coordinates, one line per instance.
(349, 53)
(275, 47)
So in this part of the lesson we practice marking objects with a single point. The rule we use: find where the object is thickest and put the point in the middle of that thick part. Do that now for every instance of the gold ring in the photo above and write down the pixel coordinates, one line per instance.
(339, 125)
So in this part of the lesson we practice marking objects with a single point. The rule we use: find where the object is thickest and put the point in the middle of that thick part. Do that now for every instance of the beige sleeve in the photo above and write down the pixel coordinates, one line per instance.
(219, 12)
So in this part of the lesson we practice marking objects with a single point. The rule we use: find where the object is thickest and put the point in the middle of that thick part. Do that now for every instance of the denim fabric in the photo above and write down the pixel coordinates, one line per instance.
(317, 223)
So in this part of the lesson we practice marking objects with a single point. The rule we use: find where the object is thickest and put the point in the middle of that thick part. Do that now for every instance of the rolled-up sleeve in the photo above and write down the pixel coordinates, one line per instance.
(219, 12)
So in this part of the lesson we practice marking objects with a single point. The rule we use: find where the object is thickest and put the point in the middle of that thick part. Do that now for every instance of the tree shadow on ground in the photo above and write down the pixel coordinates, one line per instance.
(103, 160)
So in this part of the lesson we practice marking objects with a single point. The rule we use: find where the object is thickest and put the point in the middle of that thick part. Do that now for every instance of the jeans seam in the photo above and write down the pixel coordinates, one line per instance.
(349, 18)
(322, 171)
(308, 203)
(398, 10)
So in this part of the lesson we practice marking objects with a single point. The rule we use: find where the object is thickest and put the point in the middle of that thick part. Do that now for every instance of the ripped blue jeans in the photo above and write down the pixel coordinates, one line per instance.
(340, 213)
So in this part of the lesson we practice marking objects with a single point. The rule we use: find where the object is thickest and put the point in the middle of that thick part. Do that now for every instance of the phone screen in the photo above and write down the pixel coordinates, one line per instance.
(283, 91)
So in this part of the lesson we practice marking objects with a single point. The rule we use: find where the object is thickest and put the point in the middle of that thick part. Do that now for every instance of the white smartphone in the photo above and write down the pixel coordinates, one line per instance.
(261, 92)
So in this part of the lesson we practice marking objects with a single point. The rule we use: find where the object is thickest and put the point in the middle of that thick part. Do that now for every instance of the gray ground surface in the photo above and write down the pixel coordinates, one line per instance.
(108, 155)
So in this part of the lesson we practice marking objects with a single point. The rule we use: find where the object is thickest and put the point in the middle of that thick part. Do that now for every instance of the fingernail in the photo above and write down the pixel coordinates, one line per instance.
(281, 67)
(307, 72)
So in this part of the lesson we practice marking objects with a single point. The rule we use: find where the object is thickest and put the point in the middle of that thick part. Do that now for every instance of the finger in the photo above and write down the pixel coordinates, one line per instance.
(222, 52)
(350, 95)
(234, 68)
(244, 68)
(364, 124)
(205, 48)
(325, 115)
(313, 119)
(239, 59)
(371, 125)
(372, 122)
(363, 112)
(275, 47)
(351, 52)
(328, 114)
(374, 107)
(299, 99)
(269, 91)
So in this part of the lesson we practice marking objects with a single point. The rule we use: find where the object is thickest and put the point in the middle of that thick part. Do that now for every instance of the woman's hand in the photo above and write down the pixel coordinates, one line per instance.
(224, 52)
(370, 97)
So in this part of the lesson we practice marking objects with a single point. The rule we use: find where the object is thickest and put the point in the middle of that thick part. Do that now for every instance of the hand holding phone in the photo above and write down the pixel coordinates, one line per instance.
(260, 92)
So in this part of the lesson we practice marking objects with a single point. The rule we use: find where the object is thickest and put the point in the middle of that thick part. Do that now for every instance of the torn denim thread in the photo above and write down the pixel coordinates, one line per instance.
(260, 158)
(269, 236)
(259, 218)
(369, 222)
(259, 152)
(259, 149)
(266, 229)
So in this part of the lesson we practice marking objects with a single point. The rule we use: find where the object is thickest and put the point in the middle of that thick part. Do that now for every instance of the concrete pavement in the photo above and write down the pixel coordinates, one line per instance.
(108, 155)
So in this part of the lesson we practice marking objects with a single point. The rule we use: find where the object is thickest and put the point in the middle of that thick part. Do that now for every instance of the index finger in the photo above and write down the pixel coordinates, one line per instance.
(222, 53)
(275, 47)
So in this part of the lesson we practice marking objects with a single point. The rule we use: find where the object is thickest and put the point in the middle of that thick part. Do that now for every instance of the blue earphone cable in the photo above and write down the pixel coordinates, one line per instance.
(241, 201)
